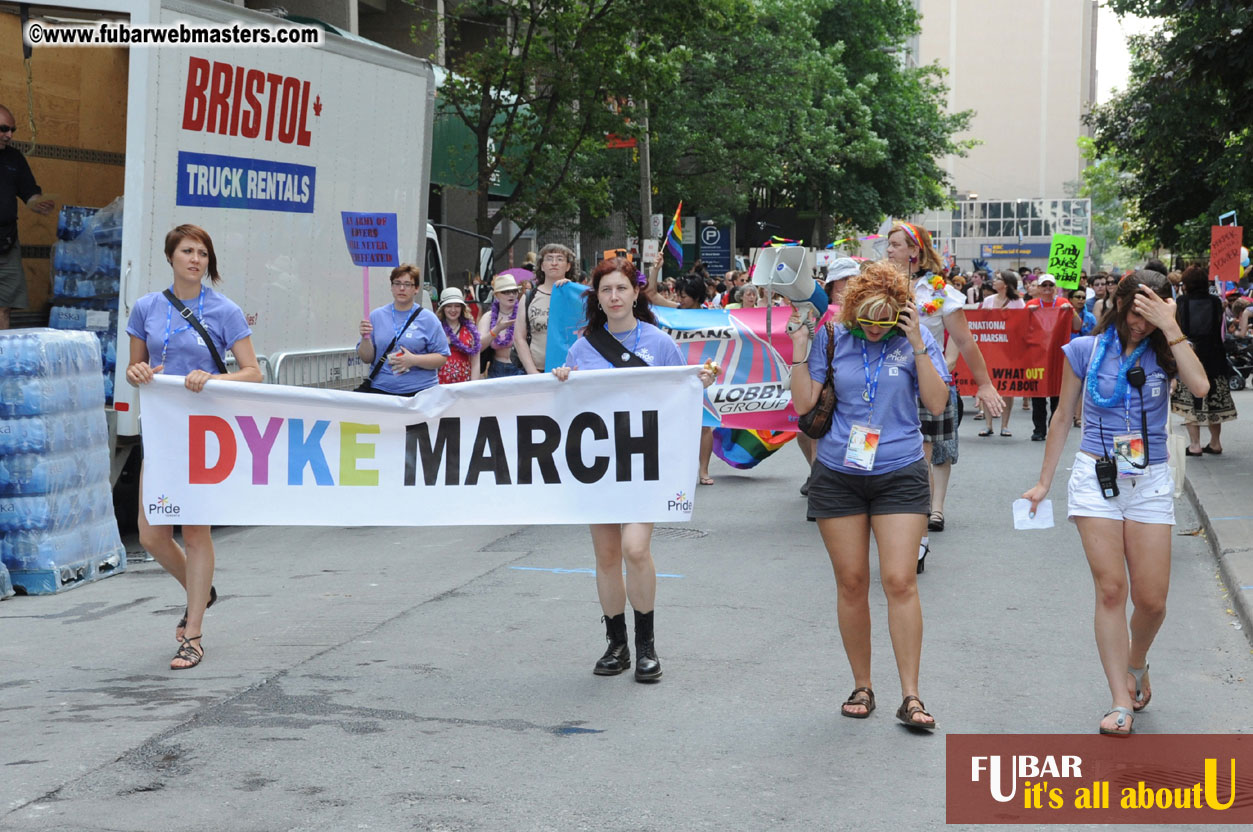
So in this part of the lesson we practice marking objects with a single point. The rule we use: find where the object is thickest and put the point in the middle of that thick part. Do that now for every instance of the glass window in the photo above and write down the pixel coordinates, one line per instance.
(994, 210)
(1037, 228)
(1024, 209)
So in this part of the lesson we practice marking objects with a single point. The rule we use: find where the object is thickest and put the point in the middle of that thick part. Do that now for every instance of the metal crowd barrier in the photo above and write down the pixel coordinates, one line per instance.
(335, 369)
(267, 372)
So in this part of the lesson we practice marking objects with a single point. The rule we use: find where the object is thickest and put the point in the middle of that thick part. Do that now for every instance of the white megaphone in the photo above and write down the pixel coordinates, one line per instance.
(784, 270)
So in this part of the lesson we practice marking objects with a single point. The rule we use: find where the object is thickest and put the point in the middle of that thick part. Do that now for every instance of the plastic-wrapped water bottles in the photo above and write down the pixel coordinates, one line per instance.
(57, 528)
(6, 584)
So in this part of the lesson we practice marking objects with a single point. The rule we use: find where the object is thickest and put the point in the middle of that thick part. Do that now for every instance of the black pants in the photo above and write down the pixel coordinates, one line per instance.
(1039, 416)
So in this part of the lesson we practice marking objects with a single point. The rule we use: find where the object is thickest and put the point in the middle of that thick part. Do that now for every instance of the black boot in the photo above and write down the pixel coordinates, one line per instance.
(647, 668)
(618, 657)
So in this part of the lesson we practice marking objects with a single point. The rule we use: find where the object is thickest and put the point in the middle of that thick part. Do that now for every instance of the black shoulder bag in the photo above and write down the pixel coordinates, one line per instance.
(365, 386)
(817, 422)
(191, 318)
(613, 350)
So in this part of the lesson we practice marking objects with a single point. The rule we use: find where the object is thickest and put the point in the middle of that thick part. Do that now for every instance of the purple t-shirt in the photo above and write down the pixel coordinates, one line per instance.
(1124, 416)
(153, 318)
(895, 401)
(654, 346)
(425, 335)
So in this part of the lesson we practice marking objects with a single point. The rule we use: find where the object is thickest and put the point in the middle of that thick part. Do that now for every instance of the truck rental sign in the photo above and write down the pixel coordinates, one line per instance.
(234, 100)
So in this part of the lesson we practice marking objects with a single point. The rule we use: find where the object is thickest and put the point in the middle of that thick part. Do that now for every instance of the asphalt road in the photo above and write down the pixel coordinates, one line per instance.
(440, 678)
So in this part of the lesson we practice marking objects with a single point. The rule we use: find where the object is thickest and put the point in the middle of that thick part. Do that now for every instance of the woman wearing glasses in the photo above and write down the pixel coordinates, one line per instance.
(410, 335)
(870, 475)
(158, 331)
(530, 336)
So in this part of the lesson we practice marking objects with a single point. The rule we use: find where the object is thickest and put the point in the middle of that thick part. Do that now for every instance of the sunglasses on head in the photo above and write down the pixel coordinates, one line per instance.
(867, 322)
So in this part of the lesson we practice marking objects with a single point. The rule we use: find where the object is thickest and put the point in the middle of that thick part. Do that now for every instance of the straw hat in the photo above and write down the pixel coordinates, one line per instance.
(504, 283)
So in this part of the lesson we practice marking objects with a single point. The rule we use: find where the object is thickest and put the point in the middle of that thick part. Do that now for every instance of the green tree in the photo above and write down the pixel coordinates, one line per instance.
(1181, 128)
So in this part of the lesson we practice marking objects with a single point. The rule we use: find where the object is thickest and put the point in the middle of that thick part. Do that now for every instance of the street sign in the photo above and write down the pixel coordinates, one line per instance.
(657, 226)
(650, 251)
(715, 248)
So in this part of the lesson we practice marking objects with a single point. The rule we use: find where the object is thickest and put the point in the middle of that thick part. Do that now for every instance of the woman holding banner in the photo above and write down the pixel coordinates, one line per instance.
(530, 336)
(1005, 284)
(622, 332)
(870, 475)
(1121, 492)
(415, 344)
(190, 327)
(910, 249)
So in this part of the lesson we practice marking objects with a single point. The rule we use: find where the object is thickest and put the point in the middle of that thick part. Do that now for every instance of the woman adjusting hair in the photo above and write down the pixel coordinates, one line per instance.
(1121, 492)
(187, 329)
(870, 475)
(622, 332)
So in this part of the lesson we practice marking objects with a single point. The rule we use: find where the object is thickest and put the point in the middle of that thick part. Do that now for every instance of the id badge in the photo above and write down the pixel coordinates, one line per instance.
(863, 444)
(1129, 448)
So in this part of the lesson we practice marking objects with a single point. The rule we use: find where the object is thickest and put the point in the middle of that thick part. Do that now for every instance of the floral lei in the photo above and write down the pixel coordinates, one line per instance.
(505, 338)
(932, 306)
(455, 343)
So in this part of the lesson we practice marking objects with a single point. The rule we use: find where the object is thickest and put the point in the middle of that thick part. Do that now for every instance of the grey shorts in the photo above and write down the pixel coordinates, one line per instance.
(836, 494)
(12, 279)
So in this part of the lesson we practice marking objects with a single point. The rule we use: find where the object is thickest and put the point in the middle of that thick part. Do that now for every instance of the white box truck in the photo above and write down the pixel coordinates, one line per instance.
(265, 146)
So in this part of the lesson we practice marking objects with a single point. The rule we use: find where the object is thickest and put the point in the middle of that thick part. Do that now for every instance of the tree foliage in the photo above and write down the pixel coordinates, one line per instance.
(805, 103)
(1181, 128)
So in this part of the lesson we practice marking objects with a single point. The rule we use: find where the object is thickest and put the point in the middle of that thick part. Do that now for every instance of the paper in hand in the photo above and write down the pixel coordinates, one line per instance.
(1043, 515)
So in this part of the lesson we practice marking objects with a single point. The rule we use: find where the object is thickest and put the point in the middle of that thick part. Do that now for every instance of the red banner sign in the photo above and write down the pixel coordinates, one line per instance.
(1166, 779)
(1022, 348)
(1224, 252)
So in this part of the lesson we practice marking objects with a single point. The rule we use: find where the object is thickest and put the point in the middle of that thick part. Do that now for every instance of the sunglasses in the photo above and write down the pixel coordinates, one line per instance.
(4, 128)
(400, 285)
(885, 324)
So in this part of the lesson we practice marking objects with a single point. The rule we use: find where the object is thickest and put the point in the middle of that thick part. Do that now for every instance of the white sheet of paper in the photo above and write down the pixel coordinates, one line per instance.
(1043, 515)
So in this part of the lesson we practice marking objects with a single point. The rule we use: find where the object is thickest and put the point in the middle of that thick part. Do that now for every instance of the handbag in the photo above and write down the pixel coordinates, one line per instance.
(817, 422)
(365, 386)
(1176, 448)
(191, 319)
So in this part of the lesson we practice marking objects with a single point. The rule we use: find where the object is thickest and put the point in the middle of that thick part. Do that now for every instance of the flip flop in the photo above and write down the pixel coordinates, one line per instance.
(706, 480)
(1187, 452)
(1208, 450)
(1005, 432)
(987, 432)
(1123, 714)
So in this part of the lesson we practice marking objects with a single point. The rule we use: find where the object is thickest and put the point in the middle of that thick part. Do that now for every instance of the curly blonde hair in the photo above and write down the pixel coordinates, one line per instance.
(879, 288)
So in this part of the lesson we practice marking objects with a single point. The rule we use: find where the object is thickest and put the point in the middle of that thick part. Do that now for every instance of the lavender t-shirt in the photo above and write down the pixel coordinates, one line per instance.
(424, 336)
(1124, 416)
(654, 346)
(153, 316)
(895, 401)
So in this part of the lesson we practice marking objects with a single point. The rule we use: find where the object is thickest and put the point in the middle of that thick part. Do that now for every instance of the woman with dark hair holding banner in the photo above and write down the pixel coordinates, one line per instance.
(622, 332)
(870, 475)
(1121, 493)
(940, 307)
(188, 329)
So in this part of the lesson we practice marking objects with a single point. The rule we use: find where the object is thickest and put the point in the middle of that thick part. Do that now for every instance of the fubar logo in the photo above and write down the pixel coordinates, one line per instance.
(163, 505)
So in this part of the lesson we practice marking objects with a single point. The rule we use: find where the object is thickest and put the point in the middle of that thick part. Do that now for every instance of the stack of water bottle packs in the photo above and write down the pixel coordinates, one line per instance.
(57, 527)
(86, 276)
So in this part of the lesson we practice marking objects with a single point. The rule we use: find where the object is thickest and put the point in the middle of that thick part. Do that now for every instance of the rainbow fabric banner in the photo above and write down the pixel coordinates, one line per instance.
(744, 449)
(674, 237)
(753, 390)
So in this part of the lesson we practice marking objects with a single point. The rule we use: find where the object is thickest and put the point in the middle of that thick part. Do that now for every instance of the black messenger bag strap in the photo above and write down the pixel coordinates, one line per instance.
(613, 350)
(191, 318)
(378, 365)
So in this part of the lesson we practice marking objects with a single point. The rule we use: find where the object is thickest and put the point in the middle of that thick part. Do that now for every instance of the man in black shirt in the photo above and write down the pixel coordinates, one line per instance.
(16, 182)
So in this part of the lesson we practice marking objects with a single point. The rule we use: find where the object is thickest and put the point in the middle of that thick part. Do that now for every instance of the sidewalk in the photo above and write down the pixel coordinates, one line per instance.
(1221, 490)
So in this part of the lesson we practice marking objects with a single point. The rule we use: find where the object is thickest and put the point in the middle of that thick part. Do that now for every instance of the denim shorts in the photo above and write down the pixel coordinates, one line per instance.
(837, 494)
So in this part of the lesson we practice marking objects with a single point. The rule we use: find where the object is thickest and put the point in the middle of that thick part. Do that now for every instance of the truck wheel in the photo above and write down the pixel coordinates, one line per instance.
(126, 493)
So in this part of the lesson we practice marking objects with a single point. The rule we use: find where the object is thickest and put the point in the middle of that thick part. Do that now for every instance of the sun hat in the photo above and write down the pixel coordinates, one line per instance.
(504, 283)
(451, 295)
(841, 268)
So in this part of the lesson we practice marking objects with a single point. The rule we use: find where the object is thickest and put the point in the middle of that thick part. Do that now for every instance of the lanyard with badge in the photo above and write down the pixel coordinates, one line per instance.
(1130, 458)
(169, 319)
(863, 437)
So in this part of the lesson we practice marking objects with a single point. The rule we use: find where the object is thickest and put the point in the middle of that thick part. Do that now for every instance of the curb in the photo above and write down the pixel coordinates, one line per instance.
(1238, 601)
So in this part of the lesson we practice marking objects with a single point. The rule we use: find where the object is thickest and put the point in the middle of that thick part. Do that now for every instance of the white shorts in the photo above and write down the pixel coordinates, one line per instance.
(1149, 498)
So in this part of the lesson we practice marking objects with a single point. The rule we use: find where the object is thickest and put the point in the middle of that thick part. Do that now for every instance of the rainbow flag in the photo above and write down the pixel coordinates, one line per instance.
(743, 449)
(674, 237)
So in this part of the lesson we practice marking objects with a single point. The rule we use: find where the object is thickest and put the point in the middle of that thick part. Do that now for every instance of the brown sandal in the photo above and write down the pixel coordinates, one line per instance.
(859, 696)
(187, 653)
(905, 713)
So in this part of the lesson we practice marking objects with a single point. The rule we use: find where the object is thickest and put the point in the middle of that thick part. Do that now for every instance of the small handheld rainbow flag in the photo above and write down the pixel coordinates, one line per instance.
(674, 237)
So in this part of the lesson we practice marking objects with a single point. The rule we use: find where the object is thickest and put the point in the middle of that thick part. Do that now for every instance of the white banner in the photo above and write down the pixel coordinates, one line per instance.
(609, 446)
